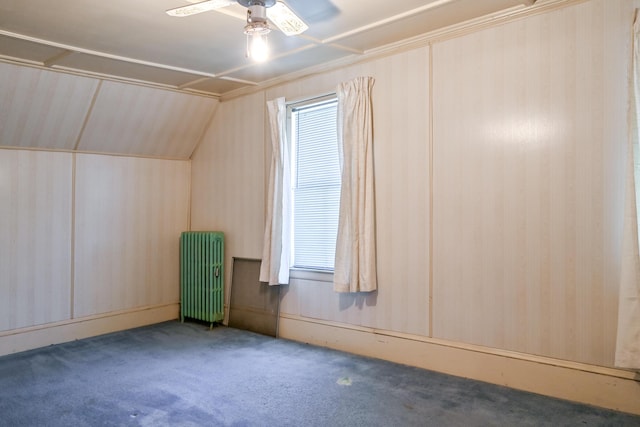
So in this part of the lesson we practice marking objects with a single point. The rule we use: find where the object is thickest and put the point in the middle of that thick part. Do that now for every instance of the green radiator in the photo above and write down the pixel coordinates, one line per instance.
(202, 276)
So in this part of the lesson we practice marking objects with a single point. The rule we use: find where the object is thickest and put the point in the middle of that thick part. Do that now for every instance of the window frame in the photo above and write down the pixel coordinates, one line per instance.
(296, 272)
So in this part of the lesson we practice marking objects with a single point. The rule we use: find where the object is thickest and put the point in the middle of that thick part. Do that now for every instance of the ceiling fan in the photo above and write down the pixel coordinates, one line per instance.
(257, 13)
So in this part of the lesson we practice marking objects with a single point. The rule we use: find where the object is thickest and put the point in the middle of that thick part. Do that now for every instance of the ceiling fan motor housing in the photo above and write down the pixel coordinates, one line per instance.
(256, 14)
(263, 3)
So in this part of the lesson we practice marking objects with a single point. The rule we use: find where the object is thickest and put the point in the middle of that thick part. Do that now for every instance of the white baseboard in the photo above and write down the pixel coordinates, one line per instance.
(55, 333)
(609, 388)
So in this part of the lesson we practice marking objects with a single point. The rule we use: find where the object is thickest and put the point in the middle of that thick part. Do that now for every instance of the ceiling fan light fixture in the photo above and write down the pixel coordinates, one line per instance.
(257, 29)
(258, 18)
(257, 47)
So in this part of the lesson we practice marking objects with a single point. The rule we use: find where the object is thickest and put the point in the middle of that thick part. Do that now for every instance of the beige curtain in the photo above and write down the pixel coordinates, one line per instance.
(275, 255)
(355, 264)
(628, 340)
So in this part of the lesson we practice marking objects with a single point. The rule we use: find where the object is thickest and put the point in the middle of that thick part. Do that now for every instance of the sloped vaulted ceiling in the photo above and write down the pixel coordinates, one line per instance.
(139, 82)
(51, 110)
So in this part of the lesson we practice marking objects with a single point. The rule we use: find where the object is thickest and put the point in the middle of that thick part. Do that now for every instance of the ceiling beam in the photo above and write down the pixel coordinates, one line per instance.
(381, 22)
(75, 49)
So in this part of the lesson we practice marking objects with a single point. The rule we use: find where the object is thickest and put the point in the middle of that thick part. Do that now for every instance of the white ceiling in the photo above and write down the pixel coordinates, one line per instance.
(137, 41)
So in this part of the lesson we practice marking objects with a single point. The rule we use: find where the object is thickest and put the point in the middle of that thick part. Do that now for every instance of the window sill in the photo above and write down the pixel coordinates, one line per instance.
(315, 275)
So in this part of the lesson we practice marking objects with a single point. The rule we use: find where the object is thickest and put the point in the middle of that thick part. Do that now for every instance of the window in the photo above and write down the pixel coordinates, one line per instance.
(315, 181)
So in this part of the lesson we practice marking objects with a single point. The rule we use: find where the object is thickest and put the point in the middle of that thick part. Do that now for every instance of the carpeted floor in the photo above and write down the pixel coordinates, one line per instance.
(175, 374)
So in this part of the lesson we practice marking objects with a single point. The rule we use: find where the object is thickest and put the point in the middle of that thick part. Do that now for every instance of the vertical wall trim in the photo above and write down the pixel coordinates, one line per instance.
(87, 116)
(190, 208)
(73, 237)
(430, 284)
(266, 162)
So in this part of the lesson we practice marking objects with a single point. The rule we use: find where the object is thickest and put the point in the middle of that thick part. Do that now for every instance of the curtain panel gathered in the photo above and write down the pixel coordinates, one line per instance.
(274, 268)
(628, 339)
(355, 263)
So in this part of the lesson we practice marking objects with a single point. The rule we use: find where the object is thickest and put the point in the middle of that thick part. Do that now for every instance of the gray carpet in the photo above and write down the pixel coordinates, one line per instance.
(175, 374)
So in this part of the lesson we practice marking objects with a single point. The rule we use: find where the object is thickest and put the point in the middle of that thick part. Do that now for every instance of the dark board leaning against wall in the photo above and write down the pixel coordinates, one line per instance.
(254, 305)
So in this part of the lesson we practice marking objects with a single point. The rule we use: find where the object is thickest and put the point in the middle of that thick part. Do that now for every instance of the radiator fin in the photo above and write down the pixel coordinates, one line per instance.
(202, 276)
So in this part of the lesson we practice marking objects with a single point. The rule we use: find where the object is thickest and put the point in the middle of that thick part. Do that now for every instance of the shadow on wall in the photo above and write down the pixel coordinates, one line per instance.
(358, 300)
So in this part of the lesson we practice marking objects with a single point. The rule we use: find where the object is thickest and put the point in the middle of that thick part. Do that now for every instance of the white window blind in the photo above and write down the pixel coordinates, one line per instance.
(316, 184)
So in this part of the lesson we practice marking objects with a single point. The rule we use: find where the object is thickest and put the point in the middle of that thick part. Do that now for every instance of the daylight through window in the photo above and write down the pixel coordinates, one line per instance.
(315, 183)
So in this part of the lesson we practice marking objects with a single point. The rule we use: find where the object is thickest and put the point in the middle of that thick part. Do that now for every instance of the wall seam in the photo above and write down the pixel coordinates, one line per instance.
(190, 201)
(73, 238)
(430, 284)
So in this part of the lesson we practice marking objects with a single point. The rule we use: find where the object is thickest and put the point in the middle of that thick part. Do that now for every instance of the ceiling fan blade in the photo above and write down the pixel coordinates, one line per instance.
(200, 7)
(286, 20)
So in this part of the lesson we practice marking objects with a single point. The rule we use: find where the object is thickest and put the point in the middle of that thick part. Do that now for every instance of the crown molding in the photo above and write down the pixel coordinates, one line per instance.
(426, 39)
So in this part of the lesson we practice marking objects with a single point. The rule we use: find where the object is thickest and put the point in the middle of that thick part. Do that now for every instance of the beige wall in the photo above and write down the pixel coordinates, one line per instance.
(128, 219)
(84, 237)
(35, 238)
(227, 173)
(89, 243)
(528, 192)
(498, 166)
